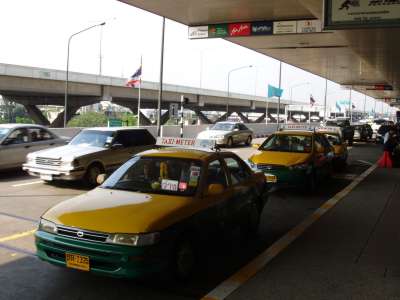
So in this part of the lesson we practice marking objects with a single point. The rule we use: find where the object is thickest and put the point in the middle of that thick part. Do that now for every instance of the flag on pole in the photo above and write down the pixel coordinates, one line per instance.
(274, 91)
(353, 106)
(312, 100)
(339, 108)
(134, 80)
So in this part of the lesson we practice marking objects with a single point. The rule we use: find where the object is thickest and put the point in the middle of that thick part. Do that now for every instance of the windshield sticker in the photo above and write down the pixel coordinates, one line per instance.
(194, 176)
(169, 185)
(109, 140)
(182, 186)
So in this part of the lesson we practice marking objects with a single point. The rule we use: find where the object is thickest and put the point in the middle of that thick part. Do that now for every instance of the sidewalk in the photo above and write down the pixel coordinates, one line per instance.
(352, 252)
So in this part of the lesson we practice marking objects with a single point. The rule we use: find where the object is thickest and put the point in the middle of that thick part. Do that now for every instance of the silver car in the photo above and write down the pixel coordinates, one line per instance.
(17, 140)
(228, 133)
(92, 152)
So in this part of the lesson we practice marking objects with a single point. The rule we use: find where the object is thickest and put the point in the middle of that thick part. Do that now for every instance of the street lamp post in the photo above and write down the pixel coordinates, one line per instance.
(229, 76)
(67, 74)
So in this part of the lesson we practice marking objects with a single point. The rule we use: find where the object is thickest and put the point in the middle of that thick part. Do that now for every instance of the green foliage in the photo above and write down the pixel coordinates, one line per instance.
(90, 119)
(23, 120)
(128, 119)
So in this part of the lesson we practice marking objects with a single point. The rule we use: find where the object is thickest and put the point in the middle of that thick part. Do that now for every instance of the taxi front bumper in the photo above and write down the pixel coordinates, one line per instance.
(286, 177)
(104, 259)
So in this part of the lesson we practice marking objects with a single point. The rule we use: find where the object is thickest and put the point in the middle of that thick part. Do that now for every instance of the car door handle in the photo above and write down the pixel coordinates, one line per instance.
(51, 144)
(27, 147)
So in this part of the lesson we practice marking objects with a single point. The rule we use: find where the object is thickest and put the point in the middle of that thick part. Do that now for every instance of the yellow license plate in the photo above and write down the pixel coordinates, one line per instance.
(76, 261)
(271, 178)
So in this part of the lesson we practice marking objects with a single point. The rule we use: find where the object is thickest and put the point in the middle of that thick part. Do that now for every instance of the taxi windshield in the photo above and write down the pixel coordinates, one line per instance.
(287, 143)
(157, 175)
(4, 132)
(223, 127)
(93, 138)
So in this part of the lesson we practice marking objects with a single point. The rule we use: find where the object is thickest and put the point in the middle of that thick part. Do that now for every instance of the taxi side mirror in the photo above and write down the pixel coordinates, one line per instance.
(256, 146)
(101, 178)
(215, 189)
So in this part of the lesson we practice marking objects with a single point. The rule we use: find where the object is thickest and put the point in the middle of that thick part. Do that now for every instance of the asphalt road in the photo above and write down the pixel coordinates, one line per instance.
(22, 276)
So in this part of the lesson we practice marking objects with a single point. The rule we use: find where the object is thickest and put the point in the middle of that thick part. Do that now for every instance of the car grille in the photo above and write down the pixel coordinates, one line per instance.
(48, 161)
(82, 234)
(266, 167)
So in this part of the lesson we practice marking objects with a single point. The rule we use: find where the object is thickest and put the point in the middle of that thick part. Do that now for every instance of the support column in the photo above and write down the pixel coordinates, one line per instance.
(243, 117)
(203, 118)
(59, 121)
(223, 117)
(144, 121)
(260, 118)
(36, 115)
(164, 117)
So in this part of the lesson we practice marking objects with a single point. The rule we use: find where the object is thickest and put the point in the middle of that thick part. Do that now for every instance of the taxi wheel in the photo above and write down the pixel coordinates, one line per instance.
(184, 260)
(92, 173)
(248, 141)
(229, 143)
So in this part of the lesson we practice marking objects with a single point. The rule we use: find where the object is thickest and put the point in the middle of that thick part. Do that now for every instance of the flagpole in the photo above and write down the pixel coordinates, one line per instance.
(279, 98)
(140, 90)
(351, 108)
(266, 112)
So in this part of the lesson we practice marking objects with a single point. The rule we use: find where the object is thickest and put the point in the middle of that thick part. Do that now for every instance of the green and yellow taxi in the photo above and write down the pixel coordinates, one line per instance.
(339, 146)
(293, 158)
(153, 214)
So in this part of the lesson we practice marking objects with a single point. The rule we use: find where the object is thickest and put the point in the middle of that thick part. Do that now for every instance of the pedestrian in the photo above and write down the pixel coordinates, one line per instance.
(389, 145)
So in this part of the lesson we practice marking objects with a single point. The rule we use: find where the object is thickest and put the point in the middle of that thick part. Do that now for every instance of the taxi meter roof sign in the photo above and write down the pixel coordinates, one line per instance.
(185, 142)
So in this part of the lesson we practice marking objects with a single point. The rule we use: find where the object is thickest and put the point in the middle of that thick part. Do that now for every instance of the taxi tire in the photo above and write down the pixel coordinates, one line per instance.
(229, 143)
(184, 259)
(248, 141)
(91, 177)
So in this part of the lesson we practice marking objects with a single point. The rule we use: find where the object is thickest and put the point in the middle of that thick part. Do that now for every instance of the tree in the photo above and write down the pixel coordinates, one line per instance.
(90, 119)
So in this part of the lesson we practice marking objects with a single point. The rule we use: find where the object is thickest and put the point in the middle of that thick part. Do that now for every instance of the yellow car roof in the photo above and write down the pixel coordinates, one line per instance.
(295, 132)
(187, 153)
(329, 132)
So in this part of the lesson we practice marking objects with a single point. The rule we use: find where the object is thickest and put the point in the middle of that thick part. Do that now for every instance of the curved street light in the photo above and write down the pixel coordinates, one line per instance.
(67, 74)
(229, 76)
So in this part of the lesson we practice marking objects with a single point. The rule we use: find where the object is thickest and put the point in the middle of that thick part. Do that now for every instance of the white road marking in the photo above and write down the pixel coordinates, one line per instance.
(27, 183)
(365, 162)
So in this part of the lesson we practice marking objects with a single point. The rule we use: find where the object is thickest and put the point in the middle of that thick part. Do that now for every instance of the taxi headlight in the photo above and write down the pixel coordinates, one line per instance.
(47, 226)
(251, 164)
(219, 136)
(30, 159)
(134, 239)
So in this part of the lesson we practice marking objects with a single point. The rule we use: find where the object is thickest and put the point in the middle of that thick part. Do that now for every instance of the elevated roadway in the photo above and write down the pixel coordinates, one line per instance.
(37, 86)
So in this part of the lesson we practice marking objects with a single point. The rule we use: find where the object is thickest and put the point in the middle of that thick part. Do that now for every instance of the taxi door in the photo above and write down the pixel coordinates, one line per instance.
(321, 157)
(214, 207)
(240, 188)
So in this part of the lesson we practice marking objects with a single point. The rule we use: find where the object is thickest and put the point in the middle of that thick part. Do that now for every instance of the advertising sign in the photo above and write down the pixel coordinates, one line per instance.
(285, 27)
(198, 32)
(239, 29)
(309, 26)
(262, 28)
(348, 14)
(218, 30)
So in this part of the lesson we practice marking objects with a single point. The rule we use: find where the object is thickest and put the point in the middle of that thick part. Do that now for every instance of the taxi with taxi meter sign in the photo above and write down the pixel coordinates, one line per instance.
(334, 136)
(294, 156)
(154, 213)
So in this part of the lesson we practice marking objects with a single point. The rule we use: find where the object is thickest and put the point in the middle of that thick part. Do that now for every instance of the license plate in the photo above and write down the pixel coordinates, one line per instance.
(271, 178)
(76, 261)
(46, 177)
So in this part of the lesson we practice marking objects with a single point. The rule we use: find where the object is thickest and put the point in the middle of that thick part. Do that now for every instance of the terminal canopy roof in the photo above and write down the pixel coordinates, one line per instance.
(361, 58)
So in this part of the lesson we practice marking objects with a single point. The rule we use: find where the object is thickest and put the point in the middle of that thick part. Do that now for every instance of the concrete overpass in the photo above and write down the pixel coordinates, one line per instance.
(365, 59)
(37, 86)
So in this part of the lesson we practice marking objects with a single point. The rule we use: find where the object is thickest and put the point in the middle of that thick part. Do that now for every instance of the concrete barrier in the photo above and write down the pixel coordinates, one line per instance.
(260, 130)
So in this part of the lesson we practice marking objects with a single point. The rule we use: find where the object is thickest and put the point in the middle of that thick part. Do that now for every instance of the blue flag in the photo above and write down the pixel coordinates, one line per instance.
(274, 91)
(338, 106)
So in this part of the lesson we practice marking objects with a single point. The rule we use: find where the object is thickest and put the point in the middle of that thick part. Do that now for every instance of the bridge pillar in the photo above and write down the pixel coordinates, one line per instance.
(164, 117)
(144, 121)
(223, 117)
(260, 118)
(59, 121)
(243, 117)
(203, 118)
(36, 115)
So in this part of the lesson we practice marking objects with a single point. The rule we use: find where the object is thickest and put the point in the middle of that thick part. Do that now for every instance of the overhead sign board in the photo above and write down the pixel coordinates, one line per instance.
(262, 28)
(380, 87)
(309, 26)
(218, 30)
(348, 14)
(198, 32)
(285, 27)
(239, 29)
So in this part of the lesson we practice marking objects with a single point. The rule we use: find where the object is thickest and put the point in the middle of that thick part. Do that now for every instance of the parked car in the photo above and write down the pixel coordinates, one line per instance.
(346, 128)
(228, 133)
(362, 132)
(155, 213)
(17, 140)
(90, 153)
(340, 148)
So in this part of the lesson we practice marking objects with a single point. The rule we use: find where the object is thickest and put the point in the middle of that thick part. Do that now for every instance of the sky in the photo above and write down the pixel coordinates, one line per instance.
(35, 33)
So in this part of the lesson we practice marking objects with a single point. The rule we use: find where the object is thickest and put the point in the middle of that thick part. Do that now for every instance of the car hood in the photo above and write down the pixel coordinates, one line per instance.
(67, 151)
(211, 133)
(114, 211)
(279, 158)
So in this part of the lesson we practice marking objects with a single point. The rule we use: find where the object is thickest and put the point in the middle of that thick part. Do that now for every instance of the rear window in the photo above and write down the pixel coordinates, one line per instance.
(138, 137)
